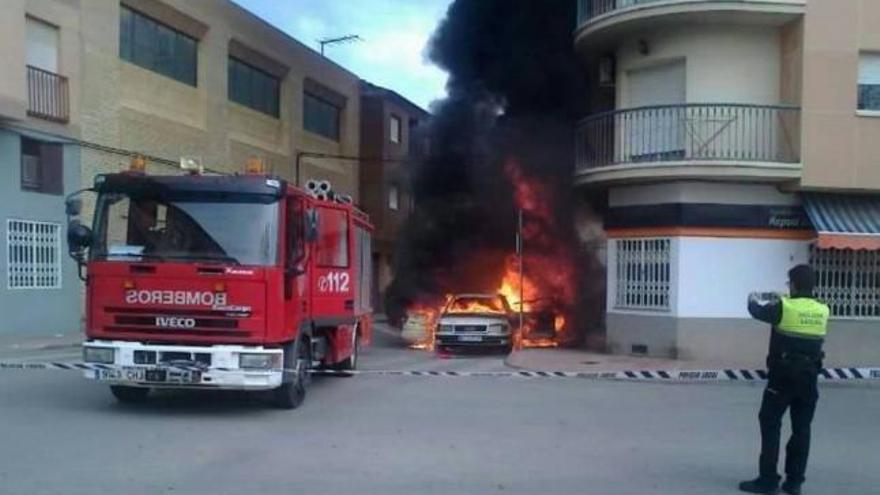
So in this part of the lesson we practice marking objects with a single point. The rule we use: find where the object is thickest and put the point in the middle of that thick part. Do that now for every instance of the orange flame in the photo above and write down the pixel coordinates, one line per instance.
(424, 318)
(546, 286)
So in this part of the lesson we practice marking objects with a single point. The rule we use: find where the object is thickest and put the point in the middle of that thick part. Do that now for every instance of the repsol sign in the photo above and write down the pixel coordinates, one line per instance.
(175, 297)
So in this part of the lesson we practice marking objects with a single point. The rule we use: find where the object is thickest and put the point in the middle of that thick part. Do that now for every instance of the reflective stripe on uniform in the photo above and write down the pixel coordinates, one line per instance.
(804, 317)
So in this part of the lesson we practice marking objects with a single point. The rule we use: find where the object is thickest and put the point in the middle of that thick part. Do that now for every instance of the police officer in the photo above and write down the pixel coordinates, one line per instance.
(799, 324)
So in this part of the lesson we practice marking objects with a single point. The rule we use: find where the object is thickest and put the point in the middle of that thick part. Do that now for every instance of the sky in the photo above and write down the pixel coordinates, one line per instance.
(395, 34)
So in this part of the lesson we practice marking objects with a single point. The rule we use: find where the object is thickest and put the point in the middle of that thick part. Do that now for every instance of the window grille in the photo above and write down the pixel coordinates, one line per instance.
(643, 274)
(848, 281)
(33, 254)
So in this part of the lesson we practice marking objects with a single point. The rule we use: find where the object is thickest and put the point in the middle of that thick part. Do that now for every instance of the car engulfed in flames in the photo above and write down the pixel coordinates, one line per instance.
(475, 321)
(537, 278)
(541, 323)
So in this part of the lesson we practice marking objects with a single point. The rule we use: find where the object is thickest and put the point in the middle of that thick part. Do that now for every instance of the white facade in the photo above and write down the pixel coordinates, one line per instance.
(716, 274)
(704, 142)
(723, 63)
(710, 277)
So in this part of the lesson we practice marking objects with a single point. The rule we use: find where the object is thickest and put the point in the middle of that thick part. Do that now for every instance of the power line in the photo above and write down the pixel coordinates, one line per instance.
(102, 147)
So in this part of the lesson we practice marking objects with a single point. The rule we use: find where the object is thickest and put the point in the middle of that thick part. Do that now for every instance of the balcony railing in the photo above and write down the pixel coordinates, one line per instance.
(47, 95)
(588, 9)
(690, 132)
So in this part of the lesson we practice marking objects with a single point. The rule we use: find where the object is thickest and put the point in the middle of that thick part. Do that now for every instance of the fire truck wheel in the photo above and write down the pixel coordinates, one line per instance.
(292, 393)
(351, 363)
(129, 394)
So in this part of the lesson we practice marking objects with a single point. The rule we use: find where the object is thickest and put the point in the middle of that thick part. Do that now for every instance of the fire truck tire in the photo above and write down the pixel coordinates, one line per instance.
(350, 364)
(292, 392)
(129, 395)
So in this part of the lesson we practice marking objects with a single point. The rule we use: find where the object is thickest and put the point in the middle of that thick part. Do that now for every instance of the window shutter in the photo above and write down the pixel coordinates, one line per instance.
(869, 68)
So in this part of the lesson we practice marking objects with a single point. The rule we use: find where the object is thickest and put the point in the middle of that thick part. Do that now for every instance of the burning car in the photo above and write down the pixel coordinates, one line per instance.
(475, 320)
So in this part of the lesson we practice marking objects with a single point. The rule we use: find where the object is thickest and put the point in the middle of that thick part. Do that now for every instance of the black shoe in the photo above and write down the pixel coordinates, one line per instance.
(791, 488)
(763, 486)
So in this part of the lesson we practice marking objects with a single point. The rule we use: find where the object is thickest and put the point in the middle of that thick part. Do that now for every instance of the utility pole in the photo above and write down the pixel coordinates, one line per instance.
(519, 252)
(349, 38)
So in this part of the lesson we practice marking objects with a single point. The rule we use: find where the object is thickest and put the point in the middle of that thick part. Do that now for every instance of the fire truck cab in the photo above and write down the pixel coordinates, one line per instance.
(219, 282)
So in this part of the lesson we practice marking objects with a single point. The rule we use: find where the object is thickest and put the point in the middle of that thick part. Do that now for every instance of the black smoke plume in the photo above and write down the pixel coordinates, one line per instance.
(515, 90)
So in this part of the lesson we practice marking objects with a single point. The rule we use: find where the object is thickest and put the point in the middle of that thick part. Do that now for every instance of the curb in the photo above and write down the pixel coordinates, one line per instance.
(48, 346)
(837, 376)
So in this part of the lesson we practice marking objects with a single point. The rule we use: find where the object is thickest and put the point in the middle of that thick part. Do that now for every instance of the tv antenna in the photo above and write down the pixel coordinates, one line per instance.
(349, 38)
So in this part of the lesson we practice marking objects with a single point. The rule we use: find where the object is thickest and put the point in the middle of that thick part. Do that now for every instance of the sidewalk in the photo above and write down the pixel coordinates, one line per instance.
(587, 361)
(38, 342)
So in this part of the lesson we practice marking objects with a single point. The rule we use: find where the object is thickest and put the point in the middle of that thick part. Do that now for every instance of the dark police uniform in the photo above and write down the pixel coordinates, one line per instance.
(793, 363)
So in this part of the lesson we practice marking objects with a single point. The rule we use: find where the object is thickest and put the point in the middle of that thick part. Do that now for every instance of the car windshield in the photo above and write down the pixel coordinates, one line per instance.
(229, 229)
(477, 304)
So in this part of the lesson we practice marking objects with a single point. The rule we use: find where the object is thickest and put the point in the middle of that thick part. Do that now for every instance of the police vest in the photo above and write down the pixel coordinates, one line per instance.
(804, 317)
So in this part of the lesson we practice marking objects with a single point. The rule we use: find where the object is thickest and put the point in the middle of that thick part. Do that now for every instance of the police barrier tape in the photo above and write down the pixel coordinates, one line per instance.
(827, 374)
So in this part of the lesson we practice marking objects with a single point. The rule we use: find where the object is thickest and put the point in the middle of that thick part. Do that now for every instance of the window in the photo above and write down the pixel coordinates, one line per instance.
(42, 167)
(186, 226)
(157, 47)
(33, 258)
(393, 197)
(869, 81)
(253, 87)
(643, 274)
(651, 136)
(333, 241)
(413, 137)
(42, 45)
(320, 116)
(296, 216)
(848, 281)
(394, 131)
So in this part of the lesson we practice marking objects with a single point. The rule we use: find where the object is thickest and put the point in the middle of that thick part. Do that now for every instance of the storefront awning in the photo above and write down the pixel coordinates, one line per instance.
(845, 221)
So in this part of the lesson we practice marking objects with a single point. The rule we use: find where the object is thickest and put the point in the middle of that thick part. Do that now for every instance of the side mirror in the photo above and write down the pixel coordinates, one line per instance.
(79, 237)
(311, 233)
(73, 207)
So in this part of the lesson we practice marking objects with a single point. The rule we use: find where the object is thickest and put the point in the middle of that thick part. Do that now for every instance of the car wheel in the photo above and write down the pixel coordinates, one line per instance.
(129, 395)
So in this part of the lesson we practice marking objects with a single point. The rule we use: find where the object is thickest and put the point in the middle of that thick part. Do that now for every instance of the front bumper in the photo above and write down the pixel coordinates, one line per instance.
(125, 370)
(468, 340)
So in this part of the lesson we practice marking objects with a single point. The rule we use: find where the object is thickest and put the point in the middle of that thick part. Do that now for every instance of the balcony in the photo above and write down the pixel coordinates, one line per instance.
(605, 20)
(47, 95)
(697, 140)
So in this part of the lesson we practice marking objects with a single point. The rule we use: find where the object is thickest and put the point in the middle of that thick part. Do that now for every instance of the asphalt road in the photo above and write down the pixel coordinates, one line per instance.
(60, 434)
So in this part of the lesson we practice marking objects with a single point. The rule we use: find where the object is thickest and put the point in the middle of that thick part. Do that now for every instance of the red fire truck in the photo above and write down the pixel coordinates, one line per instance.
(219, 282)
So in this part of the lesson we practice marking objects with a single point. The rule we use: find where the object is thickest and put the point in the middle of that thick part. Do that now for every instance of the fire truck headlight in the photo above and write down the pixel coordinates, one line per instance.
(498, 328)
(259, 361)
(103, 355)
(445, 328)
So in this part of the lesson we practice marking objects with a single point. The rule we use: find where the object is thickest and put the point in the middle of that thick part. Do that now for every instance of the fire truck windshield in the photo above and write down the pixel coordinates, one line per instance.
(235, 229)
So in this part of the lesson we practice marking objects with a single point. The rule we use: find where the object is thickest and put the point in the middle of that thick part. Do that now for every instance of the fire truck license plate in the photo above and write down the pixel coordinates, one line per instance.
(470, 338)
(155, 375)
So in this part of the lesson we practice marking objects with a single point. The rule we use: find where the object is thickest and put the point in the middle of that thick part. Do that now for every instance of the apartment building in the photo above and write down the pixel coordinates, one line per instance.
(87, 82)
(727, 141)
(393, 137)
